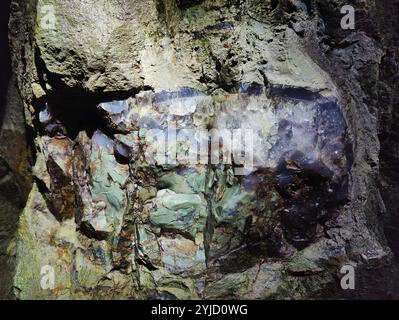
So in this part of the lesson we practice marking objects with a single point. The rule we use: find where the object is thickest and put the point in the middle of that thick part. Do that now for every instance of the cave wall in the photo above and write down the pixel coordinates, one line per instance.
(108, 71)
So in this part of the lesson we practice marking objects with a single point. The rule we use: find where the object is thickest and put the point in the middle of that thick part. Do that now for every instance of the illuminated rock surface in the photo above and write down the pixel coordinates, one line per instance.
(115, 216)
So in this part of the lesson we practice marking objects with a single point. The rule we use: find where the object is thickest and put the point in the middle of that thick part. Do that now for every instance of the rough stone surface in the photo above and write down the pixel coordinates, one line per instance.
(15, 183)
(117, 219)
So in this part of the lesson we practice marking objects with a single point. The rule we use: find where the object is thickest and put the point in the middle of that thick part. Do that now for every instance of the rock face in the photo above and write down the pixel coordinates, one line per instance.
(15, 182)
(197, 149)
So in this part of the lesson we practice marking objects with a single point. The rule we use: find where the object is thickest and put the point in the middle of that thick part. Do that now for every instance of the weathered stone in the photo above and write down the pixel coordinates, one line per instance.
(125, 215)
(180, 212)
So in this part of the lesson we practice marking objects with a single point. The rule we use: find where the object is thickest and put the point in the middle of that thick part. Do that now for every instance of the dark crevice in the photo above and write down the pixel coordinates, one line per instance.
(274, 4)
(5, 61)
(75, 109)
(295, 93)
(91, 233)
